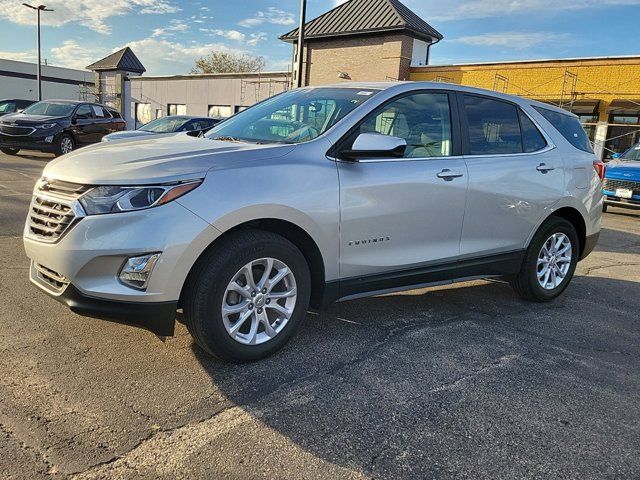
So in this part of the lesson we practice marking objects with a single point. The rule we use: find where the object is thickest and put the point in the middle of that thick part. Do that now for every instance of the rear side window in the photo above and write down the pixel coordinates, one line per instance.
(493, 126)
(531, 136)
(569, 127)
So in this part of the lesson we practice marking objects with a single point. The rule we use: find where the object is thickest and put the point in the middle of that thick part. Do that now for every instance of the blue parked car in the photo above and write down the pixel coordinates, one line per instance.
(621, 185)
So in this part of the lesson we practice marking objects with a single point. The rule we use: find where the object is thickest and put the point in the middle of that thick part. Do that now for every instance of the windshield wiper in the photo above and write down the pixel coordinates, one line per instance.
(227, 138)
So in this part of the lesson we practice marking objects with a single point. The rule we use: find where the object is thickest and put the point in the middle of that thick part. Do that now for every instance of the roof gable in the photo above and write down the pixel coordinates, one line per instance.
(123, 59)
(366, 16)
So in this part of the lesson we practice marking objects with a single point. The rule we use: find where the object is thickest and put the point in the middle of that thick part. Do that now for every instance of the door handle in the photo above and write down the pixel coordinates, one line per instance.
(448, 175)
(544, 168)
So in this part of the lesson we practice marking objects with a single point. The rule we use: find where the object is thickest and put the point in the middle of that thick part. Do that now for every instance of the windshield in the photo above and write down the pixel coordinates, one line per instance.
(292, 117)
(7, 107)
(632, 154)
(50, 109)
(164, 125)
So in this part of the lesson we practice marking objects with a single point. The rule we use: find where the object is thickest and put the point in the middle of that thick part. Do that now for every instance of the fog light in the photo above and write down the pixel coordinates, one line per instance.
(49, 139)
(137, 270)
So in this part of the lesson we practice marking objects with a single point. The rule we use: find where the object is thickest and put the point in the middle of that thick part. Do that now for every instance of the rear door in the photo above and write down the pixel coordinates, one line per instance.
(401, 214)
(515, 176)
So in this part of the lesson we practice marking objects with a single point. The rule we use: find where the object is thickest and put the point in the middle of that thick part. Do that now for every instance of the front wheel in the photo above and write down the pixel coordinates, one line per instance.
(247, 296)
(65, 145)
(10, 151)
(549, 263)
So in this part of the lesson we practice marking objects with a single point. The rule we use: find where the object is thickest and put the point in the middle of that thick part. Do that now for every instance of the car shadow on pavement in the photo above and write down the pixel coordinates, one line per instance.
(617, 241)
(452, 380)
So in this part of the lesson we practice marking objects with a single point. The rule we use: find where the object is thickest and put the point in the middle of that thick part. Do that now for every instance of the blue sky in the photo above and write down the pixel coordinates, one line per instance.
(167, 35)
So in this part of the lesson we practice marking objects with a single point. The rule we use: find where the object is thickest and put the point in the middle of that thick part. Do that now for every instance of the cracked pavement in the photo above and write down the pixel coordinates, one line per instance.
(462, 381)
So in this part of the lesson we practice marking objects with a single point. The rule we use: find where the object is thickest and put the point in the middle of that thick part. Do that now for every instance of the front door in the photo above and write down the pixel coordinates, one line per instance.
(399, 214)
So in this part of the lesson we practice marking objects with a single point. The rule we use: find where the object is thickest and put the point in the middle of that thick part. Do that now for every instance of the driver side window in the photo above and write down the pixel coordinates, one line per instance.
(423, 120)
(84, 112)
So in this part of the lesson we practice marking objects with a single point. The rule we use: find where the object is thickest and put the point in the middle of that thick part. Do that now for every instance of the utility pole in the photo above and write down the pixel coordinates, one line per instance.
(303, 15)
(38, 9)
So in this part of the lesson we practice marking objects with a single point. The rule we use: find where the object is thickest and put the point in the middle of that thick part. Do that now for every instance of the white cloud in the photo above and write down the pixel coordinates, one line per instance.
(272, 15)
(71, 55)
(161, 56)
(24, 56)
(88, 13)
(174, 26)
(230, 34)
(256, 38)
(512, 40)
(433, 10)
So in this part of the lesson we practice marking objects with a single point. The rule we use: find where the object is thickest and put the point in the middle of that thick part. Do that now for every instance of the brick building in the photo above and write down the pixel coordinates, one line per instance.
(364, 40)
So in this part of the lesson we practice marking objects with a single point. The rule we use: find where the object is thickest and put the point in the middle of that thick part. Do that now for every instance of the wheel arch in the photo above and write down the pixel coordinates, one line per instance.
(574, 217)
(292, 232)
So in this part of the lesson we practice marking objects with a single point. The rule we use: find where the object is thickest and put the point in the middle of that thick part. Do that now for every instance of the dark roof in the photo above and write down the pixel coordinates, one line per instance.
(357, 17)
(123, 59)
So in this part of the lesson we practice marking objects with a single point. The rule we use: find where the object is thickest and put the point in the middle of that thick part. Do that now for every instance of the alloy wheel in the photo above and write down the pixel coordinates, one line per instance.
(66, 145)
(554, 261)
(259, 301)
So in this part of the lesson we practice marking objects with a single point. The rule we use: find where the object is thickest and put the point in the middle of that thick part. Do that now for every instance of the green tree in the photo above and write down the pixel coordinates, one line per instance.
(223, 62)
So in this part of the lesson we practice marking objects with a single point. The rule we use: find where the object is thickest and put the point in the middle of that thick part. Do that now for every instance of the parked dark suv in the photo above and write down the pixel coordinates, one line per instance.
(57, 126)
(14, 105)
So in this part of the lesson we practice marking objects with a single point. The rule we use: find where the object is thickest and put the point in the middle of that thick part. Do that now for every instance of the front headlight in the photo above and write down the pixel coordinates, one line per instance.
(46, 126)
(112, 199)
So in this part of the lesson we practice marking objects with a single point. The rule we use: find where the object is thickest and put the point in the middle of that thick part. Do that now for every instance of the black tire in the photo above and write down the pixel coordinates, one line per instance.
(59, 144)
(525, 283)
(205, 292)
(605, 207)
(10, 151)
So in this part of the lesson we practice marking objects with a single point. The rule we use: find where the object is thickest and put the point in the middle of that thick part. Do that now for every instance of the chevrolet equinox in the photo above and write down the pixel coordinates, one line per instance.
(313, 196)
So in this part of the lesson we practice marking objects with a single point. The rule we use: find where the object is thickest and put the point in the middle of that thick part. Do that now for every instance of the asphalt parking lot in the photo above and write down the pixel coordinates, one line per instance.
(465, 381)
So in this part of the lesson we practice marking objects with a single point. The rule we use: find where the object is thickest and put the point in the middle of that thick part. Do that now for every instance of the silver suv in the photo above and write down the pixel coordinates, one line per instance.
(313, 196)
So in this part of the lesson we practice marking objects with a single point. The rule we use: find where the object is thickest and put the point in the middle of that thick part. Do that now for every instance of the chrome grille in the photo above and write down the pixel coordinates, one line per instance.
(611, 185)
(52, 210)
(49, 278)
(16, 130)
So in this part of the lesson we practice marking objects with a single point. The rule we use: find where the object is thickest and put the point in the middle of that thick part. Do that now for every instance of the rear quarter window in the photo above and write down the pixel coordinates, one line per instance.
(569, 127)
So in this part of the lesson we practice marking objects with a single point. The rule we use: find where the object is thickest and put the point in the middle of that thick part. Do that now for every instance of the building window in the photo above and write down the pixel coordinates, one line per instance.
(159, 113)
(240, 108)
(220, 111)
(143, 113)
(176, 109)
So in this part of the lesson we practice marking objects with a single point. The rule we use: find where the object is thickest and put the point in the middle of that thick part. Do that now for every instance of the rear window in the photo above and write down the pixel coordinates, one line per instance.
(569, 127)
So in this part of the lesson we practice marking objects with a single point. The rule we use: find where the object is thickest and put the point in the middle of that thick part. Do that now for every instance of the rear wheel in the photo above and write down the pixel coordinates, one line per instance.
(246, 298)
(10, 151)
(549, 263)
(65, 145)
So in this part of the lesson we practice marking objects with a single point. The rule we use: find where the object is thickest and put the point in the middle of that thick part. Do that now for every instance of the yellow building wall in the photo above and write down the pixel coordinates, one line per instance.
(598, 79)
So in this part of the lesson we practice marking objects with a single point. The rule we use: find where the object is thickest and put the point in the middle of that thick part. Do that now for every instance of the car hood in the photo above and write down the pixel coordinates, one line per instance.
(127, 134)
(24, 119)
(621, 170)
(155, 159)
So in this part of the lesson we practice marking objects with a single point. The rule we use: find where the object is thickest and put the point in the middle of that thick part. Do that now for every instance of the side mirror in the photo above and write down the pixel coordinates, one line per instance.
(616, 156)
(375, 145)
(74, 120)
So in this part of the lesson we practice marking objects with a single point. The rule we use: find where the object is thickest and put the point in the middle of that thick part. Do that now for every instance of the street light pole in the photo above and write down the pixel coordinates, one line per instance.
(303, 14)
(38, 9)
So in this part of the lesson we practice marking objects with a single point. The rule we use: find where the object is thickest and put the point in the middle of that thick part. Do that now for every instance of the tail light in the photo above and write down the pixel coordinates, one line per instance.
(600, 169)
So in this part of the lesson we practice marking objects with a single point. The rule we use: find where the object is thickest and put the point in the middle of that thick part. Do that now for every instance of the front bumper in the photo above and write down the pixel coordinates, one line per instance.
(81, 269)
(622, 202)
(157, 317)
(30, 142)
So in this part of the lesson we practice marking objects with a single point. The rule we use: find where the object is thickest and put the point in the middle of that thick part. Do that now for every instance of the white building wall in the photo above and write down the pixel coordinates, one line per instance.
(18, 80)
(198, 92)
